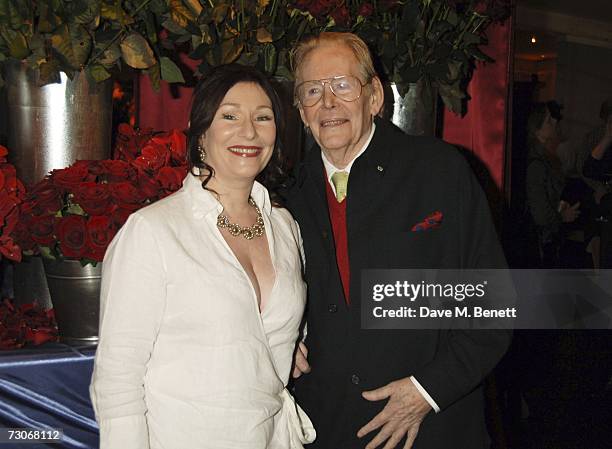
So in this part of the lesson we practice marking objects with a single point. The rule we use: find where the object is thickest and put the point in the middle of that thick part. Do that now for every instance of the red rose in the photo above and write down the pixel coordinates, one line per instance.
(45, 198)
(94, 167)
(481, 7)
(92, 197)
(72, 233)
(153, 157)
(119, 216)
(318, 8)
(125, 146)
(68, 178)
(8, 203)
(100, 232)
(171, 178)
(42, 229)
(117, 170)
(3, 153)
(10, 183)
(365, 10)
(341, 16)
(22, 235)
(176, 142)
(148, 186)
(126, 195)
(10, 249)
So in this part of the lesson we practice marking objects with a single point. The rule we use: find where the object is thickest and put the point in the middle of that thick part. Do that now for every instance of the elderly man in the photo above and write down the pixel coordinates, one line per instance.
(357, 197)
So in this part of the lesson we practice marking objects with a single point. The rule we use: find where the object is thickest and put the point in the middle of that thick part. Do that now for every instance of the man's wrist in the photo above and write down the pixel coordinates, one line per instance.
(425, 395)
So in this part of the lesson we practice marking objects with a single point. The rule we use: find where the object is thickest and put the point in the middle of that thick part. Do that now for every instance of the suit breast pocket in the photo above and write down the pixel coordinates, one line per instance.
(407, 249)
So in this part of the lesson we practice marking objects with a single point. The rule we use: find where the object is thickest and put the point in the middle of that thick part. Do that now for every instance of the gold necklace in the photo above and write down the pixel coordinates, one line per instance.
(255, 230)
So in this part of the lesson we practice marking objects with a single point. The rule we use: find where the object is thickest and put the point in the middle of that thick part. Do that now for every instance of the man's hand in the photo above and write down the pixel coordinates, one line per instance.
(301, 365)
(401, 417)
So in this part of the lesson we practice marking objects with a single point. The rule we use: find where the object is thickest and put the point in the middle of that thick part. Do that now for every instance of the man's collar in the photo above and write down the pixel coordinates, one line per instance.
(330, 168)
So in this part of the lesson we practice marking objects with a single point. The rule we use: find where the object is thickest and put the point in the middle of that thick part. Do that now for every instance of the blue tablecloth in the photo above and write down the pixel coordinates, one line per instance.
(46, 388)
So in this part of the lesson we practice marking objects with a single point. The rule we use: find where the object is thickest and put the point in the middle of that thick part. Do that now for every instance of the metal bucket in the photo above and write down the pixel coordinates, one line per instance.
(52, 126)
(75, 294)
(416, 112)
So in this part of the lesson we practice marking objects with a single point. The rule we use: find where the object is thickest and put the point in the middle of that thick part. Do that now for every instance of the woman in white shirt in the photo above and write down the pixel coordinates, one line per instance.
(202, 292)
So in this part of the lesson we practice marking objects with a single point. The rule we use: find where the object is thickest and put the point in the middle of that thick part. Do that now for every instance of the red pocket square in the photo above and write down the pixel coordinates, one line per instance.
(432, 221)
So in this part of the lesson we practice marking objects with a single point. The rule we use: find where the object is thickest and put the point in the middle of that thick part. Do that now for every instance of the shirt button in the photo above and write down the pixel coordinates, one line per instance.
(332, 308)
(355, 379)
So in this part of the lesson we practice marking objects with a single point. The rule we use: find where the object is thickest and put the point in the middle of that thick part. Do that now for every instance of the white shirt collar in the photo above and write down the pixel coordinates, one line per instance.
(204, 201)
(330, 168)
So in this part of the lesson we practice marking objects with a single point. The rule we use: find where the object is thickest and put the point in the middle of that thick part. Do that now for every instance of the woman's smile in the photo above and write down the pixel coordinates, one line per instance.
(245, 150)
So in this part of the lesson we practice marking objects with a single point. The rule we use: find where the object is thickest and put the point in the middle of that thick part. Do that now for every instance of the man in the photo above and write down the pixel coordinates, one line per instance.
(357, 196)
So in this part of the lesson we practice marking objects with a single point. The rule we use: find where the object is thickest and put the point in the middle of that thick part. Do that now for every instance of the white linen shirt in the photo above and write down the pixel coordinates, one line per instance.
(185, 359)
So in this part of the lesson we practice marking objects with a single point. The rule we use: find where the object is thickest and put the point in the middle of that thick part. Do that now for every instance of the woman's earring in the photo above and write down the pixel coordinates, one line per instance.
(202, 152)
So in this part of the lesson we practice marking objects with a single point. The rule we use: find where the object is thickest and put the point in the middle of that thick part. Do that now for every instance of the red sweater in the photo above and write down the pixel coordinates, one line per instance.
(337, 216)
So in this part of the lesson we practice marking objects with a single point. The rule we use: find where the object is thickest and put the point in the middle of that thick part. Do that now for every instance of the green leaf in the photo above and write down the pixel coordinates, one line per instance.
(263, 35)
(471, 38)
(17, 13)
(16, 42)
(195, 6)
(85, 12)
(230, 50)
(248, 58)
(154, 74)
(173, 27)
(220, 12)
(180, 14)
(136, 51)
(61, 42)
(110, 55)
(47, 20)
(453, 96)
(80, 41)
(478, 55)
(49, 73)
(269, 58)
(169, 71)
(98, 73)
(46, 252)
(115, 12)
(75, 209)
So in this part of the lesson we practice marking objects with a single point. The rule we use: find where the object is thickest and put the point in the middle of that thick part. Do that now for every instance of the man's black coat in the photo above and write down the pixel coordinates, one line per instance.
(397, 182)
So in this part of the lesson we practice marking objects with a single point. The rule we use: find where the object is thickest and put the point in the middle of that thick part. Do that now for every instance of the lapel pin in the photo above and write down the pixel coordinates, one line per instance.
(380, 168)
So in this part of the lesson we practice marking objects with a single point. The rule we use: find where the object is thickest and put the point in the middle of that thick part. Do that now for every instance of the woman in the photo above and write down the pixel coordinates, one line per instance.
(202, 292)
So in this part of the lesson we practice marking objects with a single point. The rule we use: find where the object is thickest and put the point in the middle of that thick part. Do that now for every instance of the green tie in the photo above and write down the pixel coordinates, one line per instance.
(340, 181)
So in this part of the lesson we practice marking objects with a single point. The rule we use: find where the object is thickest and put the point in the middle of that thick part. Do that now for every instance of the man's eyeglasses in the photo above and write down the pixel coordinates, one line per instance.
(345, 87)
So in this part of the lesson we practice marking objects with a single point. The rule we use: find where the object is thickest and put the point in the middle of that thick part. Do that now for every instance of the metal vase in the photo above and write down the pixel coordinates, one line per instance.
(50, 127)
(75, 293)
(416, 112)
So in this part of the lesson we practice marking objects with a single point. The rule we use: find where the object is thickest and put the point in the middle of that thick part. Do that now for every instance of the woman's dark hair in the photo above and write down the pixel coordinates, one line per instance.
(207, 96)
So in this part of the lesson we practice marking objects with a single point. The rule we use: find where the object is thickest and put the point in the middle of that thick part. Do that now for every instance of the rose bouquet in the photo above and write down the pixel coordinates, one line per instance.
(436, 41)
(74, 212)
(12, 194)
